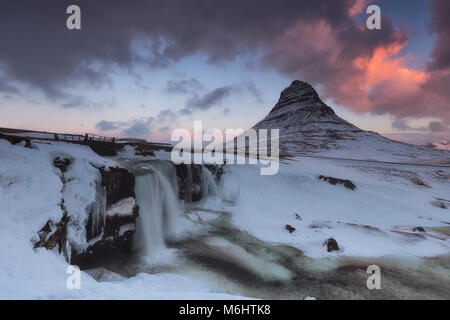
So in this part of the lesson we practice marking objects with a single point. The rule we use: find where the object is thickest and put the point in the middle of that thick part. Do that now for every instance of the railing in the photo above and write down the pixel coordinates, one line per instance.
(80, 138)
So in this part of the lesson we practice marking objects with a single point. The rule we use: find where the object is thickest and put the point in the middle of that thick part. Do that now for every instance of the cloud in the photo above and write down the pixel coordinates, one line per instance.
(77, 101)
(440, 25)
(38, 49)
(164, 129)
(166, 115)
(317, 41)
(7, 88)
(251, 88)
(140, 127)
(210, 99)
(358, 7)
(132, 128)
(437, 126)
(183, 86)
(432, 127)
(137, 129)
(105, 125)
(184, 112)
(216, 96)
(401, 124)
(418, 137)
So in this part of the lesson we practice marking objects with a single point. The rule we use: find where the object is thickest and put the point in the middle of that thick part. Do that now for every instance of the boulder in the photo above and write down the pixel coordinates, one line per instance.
(331, 245)
(61, 163)
(119, 184)
(289, 228)
(347, 183)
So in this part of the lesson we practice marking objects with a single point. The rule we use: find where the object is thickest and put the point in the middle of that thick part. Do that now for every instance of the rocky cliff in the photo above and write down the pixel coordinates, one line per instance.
(109, 222)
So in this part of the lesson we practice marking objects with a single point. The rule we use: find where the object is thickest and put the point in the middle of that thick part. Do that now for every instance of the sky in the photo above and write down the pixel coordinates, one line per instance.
(144, 68)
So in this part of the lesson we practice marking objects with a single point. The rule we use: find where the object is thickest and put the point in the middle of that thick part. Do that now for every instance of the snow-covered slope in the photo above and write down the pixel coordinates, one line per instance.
(308, 126)
(375, 219)
(30, 195)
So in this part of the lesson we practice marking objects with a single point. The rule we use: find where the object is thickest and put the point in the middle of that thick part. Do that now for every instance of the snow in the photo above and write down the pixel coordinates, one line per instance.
(31, 134)
(30, 194)
(375, 220)
(42, 274)
(371, 214)
(122, 208)
(126, 227)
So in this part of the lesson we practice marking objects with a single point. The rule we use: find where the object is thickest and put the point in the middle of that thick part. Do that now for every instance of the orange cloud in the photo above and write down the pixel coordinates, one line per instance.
(358, 7)
(384, 67)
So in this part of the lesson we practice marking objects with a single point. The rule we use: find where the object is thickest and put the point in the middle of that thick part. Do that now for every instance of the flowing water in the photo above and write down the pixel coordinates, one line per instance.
(235, 262)
(159, 209)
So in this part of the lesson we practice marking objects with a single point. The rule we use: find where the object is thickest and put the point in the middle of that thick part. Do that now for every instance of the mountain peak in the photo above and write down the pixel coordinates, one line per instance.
(309, 126)
(297, 93)
(299, 106)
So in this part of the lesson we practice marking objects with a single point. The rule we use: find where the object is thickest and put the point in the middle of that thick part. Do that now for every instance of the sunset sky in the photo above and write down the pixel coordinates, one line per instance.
(144, 68)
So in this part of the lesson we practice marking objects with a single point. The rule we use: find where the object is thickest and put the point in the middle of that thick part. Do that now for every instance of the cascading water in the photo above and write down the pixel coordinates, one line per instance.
(209, 186)
(189, 185)
(159, 208)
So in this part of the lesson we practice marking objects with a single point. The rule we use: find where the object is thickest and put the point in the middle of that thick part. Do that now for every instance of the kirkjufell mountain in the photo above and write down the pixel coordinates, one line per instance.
(308, 126)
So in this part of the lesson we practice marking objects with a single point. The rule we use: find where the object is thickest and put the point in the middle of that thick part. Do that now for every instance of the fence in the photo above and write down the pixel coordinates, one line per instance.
(80, 138)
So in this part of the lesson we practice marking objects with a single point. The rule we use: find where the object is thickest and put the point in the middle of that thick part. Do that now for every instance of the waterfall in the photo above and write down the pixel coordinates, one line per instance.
(209, 186)
(159, 208)
(189, 185)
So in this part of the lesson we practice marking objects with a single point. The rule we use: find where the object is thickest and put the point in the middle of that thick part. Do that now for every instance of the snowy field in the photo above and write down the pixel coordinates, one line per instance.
(374, 220)
(30, 193)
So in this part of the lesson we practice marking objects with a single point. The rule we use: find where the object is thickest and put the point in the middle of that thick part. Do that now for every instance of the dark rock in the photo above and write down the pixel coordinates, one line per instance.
(112, 245)
(298, 217)
(119, 184)
(103, 148)
(189, 178)
(216, 170)
(409, 234)
(61, 163)
(331, 244)
(12, 139)
(17, 139)
(144, 150)
(54, 235)
(419, 182)
(351, 268)
(115, 222)
(347, 183)
(289, 228)
(28, 144)
(419, 229)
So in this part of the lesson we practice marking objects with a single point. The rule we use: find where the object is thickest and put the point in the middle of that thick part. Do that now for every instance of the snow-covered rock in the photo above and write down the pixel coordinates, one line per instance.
(66, 194)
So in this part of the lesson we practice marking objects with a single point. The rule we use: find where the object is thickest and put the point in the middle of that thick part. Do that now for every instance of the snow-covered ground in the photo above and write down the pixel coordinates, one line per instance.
(374, 220)
(30, 193)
